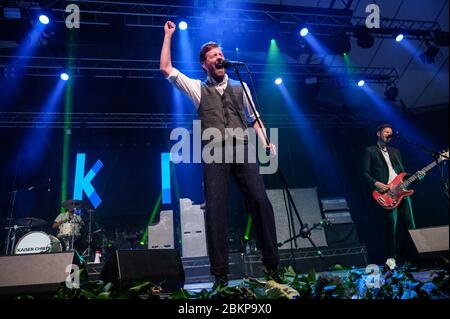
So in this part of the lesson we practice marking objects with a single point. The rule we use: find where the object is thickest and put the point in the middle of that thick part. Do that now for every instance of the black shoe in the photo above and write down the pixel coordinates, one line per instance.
(220, 281)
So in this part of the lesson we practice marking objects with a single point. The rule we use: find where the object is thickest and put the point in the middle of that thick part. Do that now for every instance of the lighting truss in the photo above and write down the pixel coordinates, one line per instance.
(127, 68)
(57, 120)
(324, 21)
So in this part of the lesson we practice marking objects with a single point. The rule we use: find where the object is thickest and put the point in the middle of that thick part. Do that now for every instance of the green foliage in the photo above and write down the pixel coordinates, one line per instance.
(344, 283)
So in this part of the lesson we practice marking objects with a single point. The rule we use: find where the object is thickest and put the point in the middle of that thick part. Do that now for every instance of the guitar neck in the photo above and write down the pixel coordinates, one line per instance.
(416, 176)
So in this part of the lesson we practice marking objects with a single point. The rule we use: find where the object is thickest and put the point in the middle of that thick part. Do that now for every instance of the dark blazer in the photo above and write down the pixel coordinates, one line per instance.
(374, 167)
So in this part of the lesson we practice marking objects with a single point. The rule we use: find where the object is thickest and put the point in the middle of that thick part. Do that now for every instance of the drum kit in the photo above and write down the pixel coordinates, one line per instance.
(34, 240)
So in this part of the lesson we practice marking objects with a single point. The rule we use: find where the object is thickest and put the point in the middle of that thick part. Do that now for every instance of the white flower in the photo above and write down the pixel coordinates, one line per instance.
(390, 262)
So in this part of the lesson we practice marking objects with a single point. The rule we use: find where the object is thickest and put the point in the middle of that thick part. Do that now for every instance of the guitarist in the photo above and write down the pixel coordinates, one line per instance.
(381, 164)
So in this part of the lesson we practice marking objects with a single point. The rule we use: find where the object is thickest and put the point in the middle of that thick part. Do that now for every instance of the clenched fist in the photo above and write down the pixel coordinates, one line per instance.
(169, 28)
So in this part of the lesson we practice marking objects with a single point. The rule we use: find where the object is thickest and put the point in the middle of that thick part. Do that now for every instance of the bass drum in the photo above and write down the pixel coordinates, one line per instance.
(37, 242)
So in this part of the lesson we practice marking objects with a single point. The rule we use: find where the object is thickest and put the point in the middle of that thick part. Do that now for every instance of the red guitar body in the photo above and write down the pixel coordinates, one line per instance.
(392, 198)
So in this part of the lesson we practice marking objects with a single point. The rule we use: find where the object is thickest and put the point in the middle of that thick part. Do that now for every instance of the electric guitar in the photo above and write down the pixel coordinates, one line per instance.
(398, 187)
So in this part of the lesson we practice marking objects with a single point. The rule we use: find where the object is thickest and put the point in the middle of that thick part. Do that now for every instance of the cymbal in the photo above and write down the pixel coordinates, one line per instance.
(72, 204)
(31, 222)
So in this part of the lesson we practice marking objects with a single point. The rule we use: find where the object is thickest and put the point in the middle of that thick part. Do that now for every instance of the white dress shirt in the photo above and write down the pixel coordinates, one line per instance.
(392, 173)
(192, 89)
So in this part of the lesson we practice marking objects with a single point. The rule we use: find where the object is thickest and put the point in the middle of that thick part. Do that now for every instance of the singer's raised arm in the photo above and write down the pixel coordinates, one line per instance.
(190, 87)
(165, 63)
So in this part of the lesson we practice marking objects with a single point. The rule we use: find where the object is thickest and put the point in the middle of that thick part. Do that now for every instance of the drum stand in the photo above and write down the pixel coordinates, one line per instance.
(13, 234)
(72, 238)
(10, 240)
(11, 229)
(88, 252)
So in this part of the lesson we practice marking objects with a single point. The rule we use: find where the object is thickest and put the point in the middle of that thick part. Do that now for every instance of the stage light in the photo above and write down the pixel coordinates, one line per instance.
(278, 81)
(183, 25)
(304, 32)
(430, 54)
(361, 83)
(44, 19)
(64, 76)
(440, 38)
(273, 41)
(391, 93)
(12, 13)
(309, 81)
(364, 39)
(237, 49)
(399, 37)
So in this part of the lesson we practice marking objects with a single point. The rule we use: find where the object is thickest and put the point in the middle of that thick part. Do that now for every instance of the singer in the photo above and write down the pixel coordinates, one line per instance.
(221, 103)
(381, 164)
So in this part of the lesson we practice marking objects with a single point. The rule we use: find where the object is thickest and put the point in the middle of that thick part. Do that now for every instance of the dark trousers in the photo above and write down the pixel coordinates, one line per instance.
(397, 222)
(251, 184)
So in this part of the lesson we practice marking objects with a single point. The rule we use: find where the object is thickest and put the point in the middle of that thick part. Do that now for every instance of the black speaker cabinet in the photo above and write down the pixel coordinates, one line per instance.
(159, 266)
(431, 243)
(35, 273)
(342, 235)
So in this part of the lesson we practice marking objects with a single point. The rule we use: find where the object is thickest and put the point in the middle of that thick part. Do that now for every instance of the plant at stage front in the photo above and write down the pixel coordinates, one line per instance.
(344, 283)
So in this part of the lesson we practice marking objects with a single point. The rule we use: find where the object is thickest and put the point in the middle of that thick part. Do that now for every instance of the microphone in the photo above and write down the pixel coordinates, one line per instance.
(228, 64)
(395, 134)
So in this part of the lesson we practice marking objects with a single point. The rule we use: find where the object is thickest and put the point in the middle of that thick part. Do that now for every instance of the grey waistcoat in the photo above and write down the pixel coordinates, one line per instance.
(222, 111)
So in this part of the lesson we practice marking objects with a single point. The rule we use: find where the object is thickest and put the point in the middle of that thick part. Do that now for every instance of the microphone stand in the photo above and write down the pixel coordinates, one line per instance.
(305, 231)
(435, 156)
(10, 227)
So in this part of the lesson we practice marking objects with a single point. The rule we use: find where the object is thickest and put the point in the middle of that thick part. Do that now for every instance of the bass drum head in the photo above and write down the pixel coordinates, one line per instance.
(37, 242)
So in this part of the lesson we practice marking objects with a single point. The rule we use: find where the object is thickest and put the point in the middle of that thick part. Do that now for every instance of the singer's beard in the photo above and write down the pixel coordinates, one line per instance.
(216, 73)
(218, 76)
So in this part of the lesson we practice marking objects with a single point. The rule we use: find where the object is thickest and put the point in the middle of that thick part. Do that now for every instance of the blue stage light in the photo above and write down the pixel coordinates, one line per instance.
(183, 25)
(304, 32)
(44, 19)
(399, 37)
(278, 81)
(361, 83)
(64, 76)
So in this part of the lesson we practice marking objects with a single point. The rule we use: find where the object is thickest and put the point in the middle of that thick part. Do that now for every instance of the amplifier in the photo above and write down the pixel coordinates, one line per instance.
(339, 217)
(336, 203)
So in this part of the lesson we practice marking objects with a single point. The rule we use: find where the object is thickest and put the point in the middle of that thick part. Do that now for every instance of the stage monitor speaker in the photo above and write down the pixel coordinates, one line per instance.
(431, 239)
(35, 273)
(334, 204)
(159, 266)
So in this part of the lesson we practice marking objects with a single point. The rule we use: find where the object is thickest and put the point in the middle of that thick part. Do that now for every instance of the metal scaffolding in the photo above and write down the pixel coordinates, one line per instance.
(62, 120)
(127, 68)
(233, 16)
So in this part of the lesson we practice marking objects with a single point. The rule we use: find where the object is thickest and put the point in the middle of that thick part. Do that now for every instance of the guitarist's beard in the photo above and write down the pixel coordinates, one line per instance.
(382, 144)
